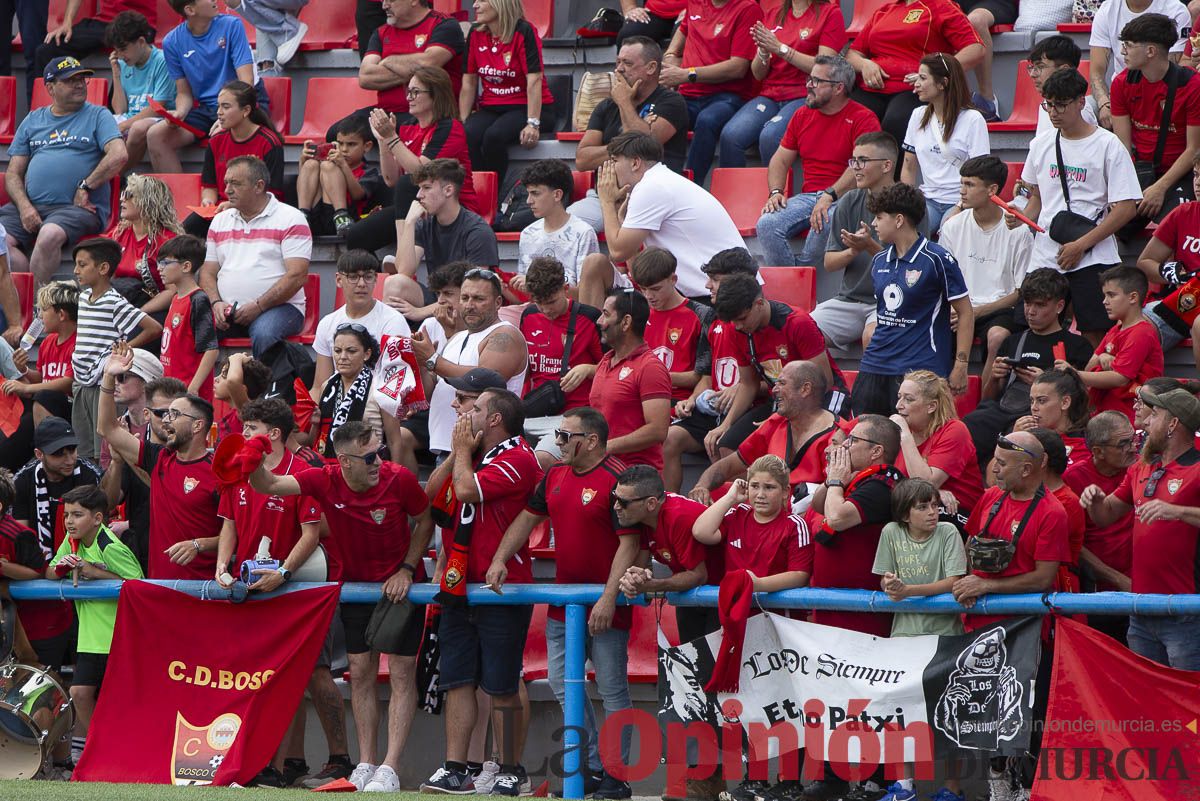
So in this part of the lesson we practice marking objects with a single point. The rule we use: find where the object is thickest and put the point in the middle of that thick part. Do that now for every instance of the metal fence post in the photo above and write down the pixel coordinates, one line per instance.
(574, 760)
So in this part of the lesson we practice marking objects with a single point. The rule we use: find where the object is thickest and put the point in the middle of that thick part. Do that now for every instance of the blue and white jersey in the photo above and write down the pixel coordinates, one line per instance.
(912, 300)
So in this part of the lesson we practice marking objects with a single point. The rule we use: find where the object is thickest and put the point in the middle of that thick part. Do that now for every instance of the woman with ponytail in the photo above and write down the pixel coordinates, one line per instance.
(244, 130)
(1058, 400)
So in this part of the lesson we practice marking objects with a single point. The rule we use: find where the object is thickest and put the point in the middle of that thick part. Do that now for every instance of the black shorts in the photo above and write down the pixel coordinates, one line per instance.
(89, 669)
(355, 618)
(875, 393)
(53, 650)
(697, 424)
(1004, 12)
(483, 646)
(418, 426)
(1001, 319)
(1087, 298)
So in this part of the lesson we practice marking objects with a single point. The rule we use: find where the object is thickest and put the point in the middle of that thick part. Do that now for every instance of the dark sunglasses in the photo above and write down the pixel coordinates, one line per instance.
(1008, 445)
(159, 413)
(622, 503)
(565, 436)
(1152, 482)
(357, 328)
(368, 458)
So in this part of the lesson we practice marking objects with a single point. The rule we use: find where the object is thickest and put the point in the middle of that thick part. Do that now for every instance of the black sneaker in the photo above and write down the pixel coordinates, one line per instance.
(591, 783)
(452, 782)
(268, 777)
(293, 771)
(825, 790)
(331, 772)
(785, 790)
(748, 790)
(866, 791)
(611, 787)
(342, 222)
(513, 784)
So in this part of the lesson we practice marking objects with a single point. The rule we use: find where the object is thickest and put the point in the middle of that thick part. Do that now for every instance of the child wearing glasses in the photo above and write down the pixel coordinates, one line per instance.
(189, 339)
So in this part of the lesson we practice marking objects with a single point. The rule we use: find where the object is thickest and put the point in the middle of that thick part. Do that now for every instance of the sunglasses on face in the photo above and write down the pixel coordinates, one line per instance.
(624, 503)
(368, 458)
(159, 413)
(565, 436)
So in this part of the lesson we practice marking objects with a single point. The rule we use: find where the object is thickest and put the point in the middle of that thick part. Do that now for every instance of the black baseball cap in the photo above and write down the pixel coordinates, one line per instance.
(477, 380)
(53, 435)
(64, 67)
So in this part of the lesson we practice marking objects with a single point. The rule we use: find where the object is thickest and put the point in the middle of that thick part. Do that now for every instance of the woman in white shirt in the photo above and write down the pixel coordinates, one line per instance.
(941, 135)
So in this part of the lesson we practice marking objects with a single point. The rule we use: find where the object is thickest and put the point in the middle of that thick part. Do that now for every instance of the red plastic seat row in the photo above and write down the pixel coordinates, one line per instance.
(312, 316)
(796, 286)
(743, 191)
(1025, 102)
(643, 643)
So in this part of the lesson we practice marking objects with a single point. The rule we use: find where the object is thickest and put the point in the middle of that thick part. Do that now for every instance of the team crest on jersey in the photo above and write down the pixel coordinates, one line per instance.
(911, 277)
(587, 495)
(419, 40)
(664, 556)
(176, 320)
(1174, 484)
(673, 334)
(378, 515)
(716, 329)
(720, 26)
(913, 16)
(507, 58)
(453, 577)
(1108, 348)
(782, 351)
(804, 33)
(623, 373)
(190, 484)
(221, 43)
(1187, 302)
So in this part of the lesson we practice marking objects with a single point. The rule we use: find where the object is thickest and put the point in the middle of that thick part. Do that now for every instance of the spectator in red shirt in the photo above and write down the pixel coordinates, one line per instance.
(709, 61)
(413, 36)
(631, 387)
(148, 219)
(504, 98)
(790, 36)
(821, 135)
(1130, 353)
(590, 548)
(338, 188)
(548, 323)
(655, 21)
(58, 308)
(889, 48)
(677, 331)
(935, 445)
(1056, 465)
(1163, 489)
(1058, 400)
(1138, 97)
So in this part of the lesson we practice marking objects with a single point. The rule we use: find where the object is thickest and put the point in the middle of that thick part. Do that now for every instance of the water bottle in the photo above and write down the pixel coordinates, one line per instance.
(33, 333)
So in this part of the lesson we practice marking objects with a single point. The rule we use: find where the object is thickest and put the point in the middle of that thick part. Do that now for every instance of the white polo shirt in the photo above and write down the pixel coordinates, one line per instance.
(251, 252)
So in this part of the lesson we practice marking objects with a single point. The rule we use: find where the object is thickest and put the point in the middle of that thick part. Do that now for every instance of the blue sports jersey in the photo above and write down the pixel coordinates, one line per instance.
(912, 300)
(209, 61)
(152, 79)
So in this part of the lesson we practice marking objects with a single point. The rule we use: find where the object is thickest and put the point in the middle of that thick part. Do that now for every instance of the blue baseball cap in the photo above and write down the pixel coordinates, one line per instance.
(64, 67)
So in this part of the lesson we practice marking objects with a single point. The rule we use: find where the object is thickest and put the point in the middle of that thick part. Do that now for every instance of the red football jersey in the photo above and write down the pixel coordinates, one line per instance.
(806, 460)
(1138, 355)
(618, 391)
(789, 335)
(434, 30)
(54, 357)
(899, 35)
(672, 544)
(546, 339)
(178, 354)
(952, 450)
(679, 339)
(185, 508)
(504, 67)
(1166, 553)
(444, 139)
(256, 515)
(821, 24)
(765, 549)
(1111, 544)
(715, 35)
(505, 483)
(725, 346)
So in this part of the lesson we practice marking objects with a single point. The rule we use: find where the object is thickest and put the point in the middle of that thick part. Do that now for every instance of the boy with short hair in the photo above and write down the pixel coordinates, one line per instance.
(554, 232)
(104, 317)
(677, 331)
(189, 339)
(58, 306)
(92, 549)
(139, 72)
(336, 190)
(1130, 353)
(991, 255)
(1051, 54)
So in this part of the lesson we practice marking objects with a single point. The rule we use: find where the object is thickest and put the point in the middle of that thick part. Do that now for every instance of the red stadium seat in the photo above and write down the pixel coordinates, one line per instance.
(1025, 102)
(279, 91)
(114, 203)
(97, 92)
(327, 101)
(487, 187)
(167, 20)
(863, 11)
(451, 8)
(312, 315)
(8, 109)
(250, 32)
(742, 191)
(795, 286)
(1075, 27)
(3, 191)
(541, 546)
(643, 641)
(850, 375)
(569, 136)
(25, 296)
(583, 182)
(330, 25)
(185, 188)
(1014, 174)
(540, 14)
(966, 403)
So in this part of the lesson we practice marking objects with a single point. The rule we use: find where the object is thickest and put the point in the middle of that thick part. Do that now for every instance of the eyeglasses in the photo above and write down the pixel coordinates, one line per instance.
(159, 413)
(463, 397)
(411, 93)
(359, 278)
(815, 81)
(357, 328)
(623, 503)
(165, 262)
(1121, 444)
(368, 458)
(1033, 68)
(1126, 46)
(1049, 106)
(1008, 445)
(852, 438)
(857, 163)
(565, 436)
(171, 415)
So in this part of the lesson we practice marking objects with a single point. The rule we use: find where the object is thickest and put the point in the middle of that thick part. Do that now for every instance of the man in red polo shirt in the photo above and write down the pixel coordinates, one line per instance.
(590, 548)
(414, 36)
(1163, 492)
(677, 331)
(367, 502)
(631, 388)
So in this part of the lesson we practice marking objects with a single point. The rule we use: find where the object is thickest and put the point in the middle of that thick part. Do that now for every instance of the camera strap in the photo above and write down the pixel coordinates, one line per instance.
(995, 510)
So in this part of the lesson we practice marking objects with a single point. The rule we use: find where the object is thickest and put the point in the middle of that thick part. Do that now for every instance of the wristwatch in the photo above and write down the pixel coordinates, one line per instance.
(283, 571)
(784, 50)
(84, 186)
(692, 76)
(833, 482)
(534, 122)
(831, 192)
(431, 363)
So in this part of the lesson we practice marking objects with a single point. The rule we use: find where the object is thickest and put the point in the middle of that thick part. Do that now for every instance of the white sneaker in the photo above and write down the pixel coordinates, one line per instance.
(362, 774)
(486, 778)
(288, 48)
(385, 780)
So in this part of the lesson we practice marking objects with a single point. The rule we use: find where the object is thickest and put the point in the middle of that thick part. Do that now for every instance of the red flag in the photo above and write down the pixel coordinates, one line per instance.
(1107, 741)
(201, 692)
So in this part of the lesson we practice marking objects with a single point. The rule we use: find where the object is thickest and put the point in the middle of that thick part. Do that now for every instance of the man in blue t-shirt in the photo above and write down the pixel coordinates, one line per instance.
(60, 164)
(918, 289)
(203, 54)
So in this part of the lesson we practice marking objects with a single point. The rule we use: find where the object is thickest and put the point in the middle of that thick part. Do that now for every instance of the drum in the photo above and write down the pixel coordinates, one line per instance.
(35, 713)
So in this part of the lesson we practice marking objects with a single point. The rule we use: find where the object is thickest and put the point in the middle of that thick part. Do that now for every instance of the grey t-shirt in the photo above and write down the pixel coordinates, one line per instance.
(939, 557)
(468, 238)
(849, 214)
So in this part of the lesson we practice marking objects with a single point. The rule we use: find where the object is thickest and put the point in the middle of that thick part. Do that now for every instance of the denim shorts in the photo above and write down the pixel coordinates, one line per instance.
(483, 646)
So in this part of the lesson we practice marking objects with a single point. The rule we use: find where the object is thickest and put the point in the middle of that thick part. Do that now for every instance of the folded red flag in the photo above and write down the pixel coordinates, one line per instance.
(224, 466)
(735, 601)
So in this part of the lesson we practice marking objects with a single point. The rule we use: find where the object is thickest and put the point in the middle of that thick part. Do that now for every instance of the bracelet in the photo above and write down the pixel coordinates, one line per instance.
(775, 192)
(108, 390)
(409, 568)
(392, 141)
(196, 545)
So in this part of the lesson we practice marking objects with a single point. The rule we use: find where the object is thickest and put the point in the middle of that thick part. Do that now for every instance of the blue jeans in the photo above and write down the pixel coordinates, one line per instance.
(609, 652)
(934, 212)
(776, 228)
(1170, 337)
(708, 116)
(276, 323)
(761, 120)
(1172, 641)
(275, 21)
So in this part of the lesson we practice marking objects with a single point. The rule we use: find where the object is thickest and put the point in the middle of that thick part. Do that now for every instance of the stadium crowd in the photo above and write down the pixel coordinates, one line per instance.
(168, 425)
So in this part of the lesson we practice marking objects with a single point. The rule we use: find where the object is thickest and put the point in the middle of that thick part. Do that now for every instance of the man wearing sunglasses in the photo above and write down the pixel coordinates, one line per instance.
(1162, 490)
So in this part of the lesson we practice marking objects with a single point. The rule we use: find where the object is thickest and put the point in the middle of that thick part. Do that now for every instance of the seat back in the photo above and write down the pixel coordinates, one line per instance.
(330, 25)
(583, 182)
(8, 108)
(97, 93)
(863, 11)
(328, 100)
(1026, 99)
(795, 286)
(25, 296)
(1014, 175)
(487, 187)
(741, 190)
(279, 91)
(185, 189)
(540, 14)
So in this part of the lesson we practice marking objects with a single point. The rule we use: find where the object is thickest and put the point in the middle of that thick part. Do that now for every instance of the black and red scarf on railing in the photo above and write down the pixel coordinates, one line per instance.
(453, 590)
(876, 472)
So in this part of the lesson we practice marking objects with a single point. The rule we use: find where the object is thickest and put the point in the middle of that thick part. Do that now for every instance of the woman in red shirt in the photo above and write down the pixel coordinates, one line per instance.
(504, 68)
(148, 219)
(888, 50)
(436, 134)
(934, 444)
(1058, 401)
(793, 33)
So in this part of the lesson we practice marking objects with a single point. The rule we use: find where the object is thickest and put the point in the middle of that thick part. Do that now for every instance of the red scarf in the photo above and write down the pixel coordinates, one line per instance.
(734, 603)
(876, 472)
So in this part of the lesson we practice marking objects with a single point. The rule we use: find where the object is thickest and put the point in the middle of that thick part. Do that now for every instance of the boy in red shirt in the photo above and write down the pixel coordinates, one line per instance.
(677, 332)
(58, 307)
(337, 188)
(1130, 353)
(189, 338)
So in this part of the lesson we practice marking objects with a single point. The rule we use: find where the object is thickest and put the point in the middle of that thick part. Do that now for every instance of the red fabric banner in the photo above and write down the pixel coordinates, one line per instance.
(201, 692)
(1119, 726)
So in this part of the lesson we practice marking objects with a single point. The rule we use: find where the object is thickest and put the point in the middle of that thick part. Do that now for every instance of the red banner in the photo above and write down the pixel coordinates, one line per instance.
(1119, 726)
(202, 692)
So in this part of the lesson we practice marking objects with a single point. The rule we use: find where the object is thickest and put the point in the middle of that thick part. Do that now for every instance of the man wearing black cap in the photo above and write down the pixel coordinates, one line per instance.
(1163, 491)
(60, 164)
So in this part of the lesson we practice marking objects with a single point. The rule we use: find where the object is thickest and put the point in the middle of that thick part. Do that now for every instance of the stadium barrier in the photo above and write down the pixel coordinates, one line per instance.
(576, 597)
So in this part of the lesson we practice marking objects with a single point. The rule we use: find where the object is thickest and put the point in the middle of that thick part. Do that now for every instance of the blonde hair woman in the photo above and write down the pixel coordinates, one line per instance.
(148, 219)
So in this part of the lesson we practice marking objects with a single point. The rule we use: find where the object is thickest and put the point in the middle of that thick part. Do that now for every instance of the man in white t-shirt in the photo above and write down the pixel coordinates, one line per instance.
(357, 272)
(1103, 188)
(1056, 52)
(645, 203)
(257, 261)
(1105, 41)
(992, 256)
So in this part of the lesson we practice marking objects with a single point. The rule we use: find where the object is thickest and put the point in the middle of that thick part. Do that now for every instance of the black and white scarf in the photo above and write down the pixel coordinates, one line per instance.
(41, 505)
(337, 411)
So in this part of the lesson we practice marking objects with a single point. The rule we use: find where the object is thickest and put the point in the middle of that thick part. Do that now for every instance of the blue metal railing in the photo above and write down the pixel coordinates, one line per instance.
(576, 597)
